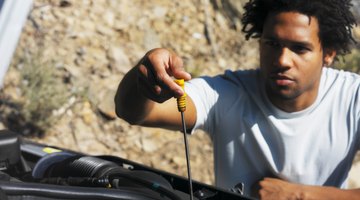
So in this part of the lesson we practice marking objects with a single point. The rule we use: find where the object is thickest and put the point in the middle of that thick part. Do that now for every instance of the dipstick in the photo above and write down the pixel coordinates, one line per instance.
(181, 103)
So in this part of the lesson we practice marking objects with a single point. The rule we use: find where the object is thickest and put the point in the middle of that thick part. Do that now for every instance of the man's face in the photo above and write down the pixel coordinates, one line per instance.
(291, 59)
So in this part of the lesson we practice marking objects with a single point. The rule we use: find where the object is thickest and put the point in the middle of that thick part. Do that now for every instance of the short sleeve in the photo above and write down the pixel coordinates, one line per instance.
(204, 97)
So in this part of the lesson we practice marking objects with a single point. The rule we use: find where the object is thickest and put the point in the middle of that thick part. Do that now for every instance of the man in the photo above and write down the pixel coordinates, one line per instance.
(288, 130)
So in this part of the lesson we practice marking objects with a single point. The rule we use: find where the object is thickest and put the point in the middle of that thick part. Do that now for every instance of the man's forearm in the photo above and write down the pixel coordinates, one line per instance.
(277, 189)
(131, 105)
(329, 193)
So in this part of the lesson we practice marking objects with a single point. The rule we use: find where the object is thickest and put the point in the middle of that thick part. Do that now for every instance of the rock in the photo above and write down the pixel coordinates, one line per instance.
(74, 71)
(104, 30)
(119, 61)
(109, 18)
(180, 161)
(87, 113)
(88, 25)
(93, 147)
(82, 131)
(149, 145)
(65, 3)
(106, 106)
(160, 12)
(151, 40)
(356, 33)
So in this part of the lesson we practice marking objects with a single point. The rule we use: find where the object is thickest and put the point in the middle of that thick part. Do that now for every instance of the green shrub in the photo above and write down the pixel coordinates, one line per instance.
(350, 62)
(43, 91)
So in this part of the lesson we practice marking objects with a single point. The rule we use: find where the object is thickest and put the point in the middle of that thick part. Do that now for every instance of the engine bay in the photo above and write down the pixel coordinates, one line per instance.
(31, 170)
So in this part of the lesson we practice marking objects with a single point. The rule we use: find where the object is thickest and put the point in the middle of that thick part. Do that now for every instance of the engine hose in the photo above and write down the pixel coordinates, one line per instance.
(65, 192)
(77, 181)
(148, 184)
(104, 182)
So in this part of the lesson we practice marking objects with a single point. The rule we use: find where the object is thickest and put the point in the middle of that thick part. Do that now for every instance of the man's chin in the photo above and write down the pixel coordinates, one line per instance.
(282, 94)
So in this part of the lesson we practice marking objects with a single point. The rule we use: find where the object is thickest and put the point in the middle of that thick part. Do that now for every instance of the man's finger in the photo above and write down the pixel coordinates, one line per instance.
(163, 76)
(177, 68)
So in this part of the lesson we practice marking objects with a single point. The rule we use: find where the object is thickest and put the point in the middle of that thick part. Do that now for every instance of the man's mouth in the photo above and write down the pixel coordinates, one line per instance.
(281, 80)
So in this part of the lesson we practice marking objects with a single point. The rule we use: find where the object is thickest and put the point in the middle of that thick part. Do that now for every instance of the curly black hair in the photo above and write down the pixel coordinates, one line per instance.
(334, 16)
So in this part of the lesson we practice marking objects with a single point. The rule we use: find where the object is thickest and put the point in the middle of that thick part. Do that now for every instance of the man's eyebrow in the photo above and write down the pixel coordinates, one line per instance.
(303, 43)
(298, 43)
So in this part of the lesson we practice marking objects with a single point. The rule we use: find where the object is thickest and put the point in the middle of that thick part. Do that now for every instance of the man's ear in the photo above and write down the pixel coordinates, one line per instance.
(329, 56)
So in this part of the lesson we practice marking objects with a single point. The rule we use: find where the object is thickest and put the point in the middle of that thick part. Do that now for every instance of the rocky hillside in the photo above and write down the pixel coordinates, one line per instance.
(72, 55)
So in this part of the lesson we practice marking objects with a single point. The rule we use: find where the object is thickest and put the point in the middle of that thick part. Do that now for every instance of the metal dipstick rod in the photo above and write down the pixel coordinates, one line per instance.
(181, 103)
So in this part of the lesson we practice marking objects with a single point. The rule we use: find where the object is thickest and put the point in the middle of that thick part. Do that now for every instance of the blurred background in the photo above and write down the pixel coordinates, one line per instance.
(71, 55)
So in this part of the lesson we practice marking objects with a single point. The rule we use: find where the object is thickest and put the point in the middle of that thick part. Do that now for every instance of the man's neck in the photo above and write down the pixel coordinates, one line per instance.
(291, 105)
(296, 104)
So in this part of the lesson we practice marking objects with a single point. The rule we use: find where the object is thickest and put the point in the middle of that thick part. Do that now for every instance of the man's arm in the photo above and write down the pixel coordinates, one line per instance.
(145, 94)
(272, 188)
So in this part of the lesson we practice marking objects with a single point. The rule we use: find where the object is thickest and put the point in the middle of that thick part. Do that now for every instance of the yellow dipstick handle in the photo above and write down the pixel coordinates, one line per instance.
(181, 101)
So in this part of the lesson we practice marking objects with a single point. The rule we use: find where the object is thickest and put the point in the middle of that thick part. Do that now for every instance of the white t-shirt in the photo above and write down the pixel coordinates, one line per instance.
(254, 139)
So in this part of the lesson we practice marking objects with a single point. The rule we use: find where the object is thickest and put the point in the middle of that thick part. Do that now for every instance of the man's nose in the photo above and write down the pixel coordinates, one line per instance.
(284, 59)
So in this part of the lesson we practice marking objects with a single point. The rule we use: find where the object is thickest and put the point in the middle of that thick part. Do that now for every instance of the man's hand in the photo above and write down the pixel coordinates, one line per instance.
(276, 189)
(144, 95)
(156, 70)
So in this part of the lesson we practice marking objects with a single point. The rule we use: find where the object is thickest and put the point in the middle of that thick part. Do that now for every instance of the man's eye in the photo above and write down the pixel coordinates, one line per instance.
(299, 49)
(272, 43)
